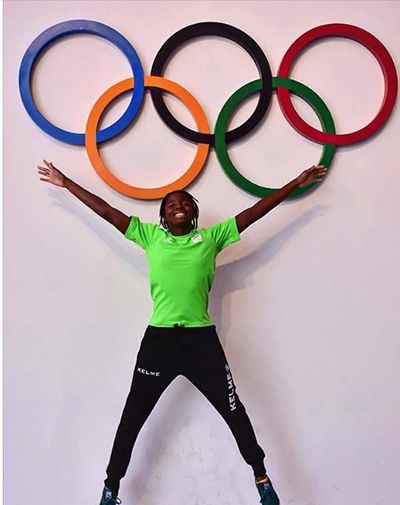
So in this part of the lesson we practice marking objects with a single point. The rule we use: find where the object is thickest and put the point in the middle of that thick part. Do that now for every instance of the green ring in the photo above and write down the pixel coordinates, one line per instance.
(299, 89)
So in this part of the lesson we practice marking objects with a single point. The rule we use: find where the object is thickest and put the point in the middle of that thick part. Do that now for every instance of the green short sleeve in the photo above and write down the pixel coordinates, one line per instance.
(224, 233)
(141, 233)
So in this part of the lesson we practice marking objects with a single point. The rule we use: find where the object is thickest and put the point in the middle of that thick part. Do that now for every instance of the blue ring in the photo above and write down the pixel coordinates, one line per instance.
(67, 28)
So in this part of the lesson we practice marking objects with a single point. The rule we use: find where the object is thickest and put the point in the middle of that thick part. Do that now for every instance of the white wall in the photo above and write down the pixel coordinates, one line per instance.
(307, 305)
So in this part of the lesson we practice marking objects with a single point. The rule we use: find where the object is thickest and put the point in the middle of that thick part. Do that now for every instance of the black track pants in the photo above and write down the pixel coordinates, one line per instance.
(195, 353)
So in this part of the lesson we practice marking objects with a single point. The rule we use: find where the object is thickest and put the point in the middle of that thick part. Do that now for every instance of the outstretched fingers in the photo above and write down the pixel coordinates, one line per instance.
(319, 172)
(49, 164)
(45, 171)
(51, 174)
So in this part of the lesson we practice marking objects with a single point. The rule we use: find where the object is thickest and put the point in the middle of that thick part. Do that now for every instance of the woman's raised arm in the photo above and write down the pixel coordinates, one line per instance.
(263, 206)
(52, 175)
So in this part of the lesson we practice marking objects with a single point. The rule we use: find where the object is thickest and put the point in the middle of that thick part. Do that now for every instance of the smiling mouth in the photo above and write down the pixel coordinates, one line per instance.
(180, 214)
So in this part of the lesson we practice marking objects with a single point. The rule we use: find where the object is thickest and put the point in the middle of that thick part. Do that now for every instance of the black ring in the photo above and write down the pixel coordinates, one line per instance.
(231, 33)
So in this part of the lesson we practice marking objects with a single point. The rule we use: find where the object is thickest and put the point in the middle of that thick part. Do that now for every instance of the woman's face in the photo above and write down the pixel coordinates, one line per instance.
(178, 210)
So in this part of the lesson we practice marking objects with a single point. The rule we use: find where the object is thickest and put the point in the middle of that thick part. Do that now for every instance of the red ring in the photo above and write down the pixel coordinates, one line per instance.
(385, 61)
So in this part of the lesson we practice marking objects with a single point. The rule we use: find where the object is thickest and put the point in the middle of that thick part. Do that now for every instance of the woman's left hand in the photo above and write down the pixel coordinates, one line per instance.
(313, 174)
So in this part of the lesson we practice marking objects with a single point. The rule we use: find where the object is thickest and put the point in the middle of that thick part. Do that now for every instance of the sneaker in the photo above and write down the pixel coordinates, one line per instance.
(109, 498)
(267, 493)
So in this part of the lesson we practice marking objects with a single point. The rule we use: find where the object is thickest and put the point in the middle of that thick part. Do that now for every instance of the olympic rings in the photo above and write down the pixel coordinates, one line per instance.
(380, 53)
(231, 33)
(221, 139)
(66, 28)
(248, 89)
(105, 174)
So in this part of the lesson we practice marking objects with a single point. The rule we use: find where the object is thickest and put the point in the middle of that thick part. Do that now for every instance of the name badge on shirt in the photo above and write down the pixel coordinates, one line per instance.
(197, 238)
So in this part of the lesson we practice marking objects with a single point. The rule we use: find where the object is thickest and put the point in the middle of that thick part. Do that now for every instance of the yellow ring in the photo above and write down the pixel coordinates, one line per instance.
(102, 170)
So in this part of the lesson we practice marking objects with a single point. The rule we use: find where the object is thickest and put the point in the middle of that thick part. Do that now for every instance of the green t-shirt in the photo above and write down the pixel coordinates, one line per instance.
(182, 269)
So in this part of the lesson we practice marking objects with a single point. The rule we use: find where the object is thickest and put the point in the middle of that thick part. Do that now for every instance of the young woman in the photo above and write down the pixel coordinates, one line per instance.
(180, 338)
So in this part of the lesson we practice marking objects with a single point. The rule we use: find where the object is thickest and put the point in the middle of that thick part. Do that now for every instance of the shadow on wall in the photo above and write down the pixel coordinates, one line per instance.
(231, 277)
(237, 276)
(115, 242)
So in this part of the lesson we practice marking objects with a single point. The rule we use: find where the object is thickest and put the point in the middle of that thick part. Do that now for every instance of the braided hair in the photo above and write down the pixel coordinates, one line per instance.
(193, 202)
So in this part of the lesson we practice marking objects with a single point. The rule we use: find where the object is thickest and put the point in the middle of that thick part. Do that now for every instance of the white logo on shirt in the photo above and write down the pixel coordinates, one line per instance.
(168, 239)
(197, 238)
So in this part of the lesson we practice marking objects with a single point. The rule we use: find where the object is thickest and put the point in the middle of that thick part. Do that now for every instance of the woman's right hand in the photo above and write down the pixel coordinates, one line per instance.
(102, 208)
(52, 174)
